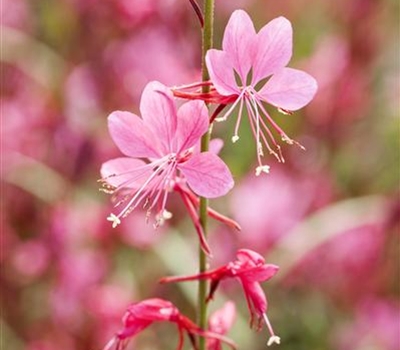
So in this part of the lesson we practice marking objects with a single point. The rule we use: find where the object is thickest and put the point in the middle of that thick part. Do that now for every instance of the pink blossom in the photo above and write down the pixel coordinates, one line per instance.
(141, 315)
(277, 197)
(376, 326)
(250, 269)
(220, 322)
(239, 72)
(166, 137)
(334, 268)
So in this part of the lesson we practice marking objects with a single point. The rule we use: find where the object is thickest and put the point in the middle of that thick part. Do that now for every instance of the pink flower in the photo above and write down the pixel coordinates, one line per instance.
(141, 315)
(239, 72)
(220, 322)
(250, 269)
(166, 137)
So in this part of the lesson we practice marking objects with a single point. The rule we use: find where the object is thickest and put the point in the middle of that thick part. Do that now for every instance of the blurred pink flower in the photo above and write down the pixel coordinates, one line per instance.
(77, 272)
(247, 59)
(376, 326)
(26, 105)
(137, 233)
(23, 262)
(166, 137)
(250, 269)
(82, 97)
(142, 314)
(16, 14)
(220, 322)
(167, 58)
(335, 268)
(343, 93)
(277, 198)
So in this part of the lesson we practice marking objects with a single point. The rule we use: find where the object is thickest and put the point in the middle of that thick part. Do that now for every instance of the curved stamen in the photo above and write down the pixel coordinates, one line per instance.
(230, 110)
(138, 175)
(140, 191)
(283, 135)
(252, 118)
(273, 338)
(235, 136)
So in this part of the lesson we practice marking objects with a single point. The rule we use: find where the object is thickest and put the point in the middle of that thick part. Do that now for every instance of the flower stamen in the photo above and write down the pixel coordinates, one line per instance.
(114, 219)
(274, 339)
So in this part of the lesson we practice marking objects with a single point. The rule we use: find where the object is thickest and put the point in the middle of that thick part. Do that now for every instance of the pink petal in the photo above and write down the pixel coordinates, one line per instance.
(239, 40)
(207, 175)
(249, 256)
(257, 297)
(154, 309)
(273, 49)
(193, 122)
(158, 111)
(132, 136)
(216, 145)
(132, 330)
(222, 319)
(259, 274)
(290, 89)
(221, 71)
(126, 172)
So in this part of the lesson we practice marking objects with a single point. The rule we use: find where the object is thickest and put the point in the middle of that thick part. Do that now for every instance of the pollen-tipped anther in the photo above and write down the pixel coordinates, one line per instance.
(235, 138)
(114, 219)
(262, 169)
(273, 340)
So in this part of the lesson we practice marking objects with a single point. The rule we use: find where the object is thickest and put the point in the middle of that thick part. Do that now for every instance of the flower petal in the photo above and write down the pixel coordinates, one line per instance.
(158, 111)
(126, 172)
(207, 175)
(273, 49)
(154, 309)
(221, 71)
(256, 296)
(289, 89)
(259, 273)
(132, 136)
(193, 122)
(250, 257)
(239, 40)
(216, 145)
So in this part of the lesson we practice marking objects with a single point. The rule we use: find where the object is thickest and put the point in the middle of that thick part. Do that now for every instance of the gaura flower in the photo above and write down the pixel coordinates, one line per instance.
(251, 69)
(160, 150)
(142, 314)
(220, 322)
(250, 269)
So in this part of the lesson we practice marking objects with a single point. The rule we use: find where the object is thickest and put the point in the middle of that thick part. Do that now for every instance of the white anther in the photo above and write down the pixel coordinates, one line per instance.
(166, 215)
(262, 169)
(114, 219)
(220, 119)
(274, 340)
(235, 138)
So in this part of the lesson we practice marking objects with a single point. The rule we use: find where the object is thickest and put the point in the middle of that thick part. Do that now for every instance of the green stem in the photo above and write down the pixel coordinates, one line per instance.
(207, 40)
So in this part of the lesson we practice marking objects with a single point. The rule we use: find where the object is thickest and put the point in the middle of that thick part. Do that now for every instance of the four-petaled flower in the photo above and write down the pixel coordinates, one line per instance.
(240, 71)
(166, 138)
(142, 314)
(250, 269)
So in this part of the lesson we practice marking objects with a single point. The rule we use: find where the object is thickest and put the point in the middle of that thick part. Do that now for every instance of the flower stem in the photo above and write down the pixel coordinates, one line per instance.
(207, 41)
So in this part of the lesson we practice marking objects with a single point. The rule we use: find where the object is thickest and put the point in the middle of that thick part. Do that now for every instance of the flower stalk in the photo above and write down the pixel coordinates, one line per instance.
(207, 42)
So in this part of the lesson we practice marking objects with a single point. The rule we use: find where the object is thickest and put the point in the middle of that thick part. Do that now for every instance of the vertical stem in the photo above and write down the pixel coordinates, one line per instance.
(207, 41)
